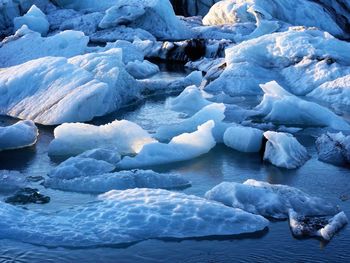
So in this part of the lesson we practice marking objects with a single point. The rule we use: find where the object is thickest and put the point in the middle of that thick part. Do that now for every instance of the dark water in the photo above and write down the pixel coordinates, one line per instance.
(221, 164)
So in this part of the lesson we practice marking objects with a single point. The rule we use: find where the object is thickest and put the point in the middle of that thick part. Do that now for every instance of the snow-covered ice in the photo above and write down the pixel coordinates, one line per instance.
(75, 138)
(35, 19)
(19, 135)
(112, 220)
(284, 150)
(243, 139)
(181, 148)
(122, 180)
(272, 201)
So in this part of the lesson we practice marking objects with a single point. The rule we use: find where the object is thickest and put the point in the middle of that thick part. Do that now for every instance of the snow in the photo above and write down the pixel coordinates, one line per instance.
(316, 226)
(283, 150)
(30, 45)
(280, 106)
(11, 181)
(154, 214)
(190, 101)
(19, 135)
(272, 201)
(334, 148)
(75, 138)
(240, 11)
(243, 139)
(142, 69)
(56, 90)
(214, 112)
(35, 19)
(183, 147)
(122, 180)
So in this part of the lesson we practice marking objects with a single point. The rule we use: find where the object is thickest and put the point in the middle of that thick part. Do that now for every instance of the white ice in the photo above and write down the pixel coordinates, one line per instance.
(183, 147)
(112, 220)
(272, 201)
(19, 135)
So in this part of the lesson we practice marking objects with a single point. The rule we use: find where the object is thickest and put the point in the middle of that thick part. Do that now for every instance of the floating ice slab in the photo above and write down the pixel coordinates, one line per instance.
(183, 147)
(112, 220)
(122, 180)
(18, 135)
(142, 69)
(283, 150)
(11, 180)
(35, 19)
(243, 139)
(280, 106)
(269, 200)
(316, 226)
(75, 138)
(334, 148)
(214, 112)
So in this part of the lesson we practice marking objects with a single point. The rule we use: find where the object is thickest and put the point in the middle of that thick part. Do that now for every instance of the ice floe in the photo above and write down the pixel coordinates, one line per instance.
(75, 138)
(112, 220)
(272, 201)
(243, 139)
(142, 69)
(12, 180)
(122, 180)
(19, 135)
(284, 150)
(183, 147)
(35, 19)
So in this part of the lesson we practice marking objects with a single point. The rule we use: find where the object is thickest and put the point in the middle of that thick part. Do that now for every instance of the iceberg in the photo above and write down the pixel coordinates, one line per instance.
(111, 220)
(283, 150)
(75, 138)
(280, 106)
(214, 112)
(272, 201)
(243, 139)
(183, 147)
(19, 135)
(100, 183)
(334, 148)
(141, 69)
(35, 19)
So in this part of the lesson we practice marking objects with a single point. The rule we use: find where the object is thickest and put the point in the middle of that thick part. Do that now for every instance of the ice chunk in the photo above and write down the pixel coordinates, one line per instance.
(334, 148)
(112, 220)
(25, 47)
(243, 139)
(35, 19)
(122, 180)
(109, 155)
(75, 138)
(316, 226)
(18, 135)
(214, 112)
(281, 107)
(142, 69)
(11, 180)
(56, 90)
(183, 147)
(190, 101)
(269, 200)
(283, 150)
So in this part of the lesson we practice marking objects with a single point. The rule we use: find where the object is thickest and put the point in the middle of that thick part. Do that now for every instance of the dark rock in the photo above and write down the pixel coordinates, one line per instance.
(26, 196)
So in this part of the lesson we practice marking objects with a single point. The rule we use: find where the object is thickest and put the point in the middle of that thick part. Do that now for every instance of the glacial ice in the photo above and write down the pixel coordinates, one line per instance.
(243, 139)
(283, 150)
(334, 148)
(27, 45)
(112, 220)
(100, 183)
(316, 226)
(11, 180)
(19, 135)
(214, 112)
(35, 19)
(75, 138)
(183, 147)
(272, 201)
(56, 90)
(141, 69)
(280, 106)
